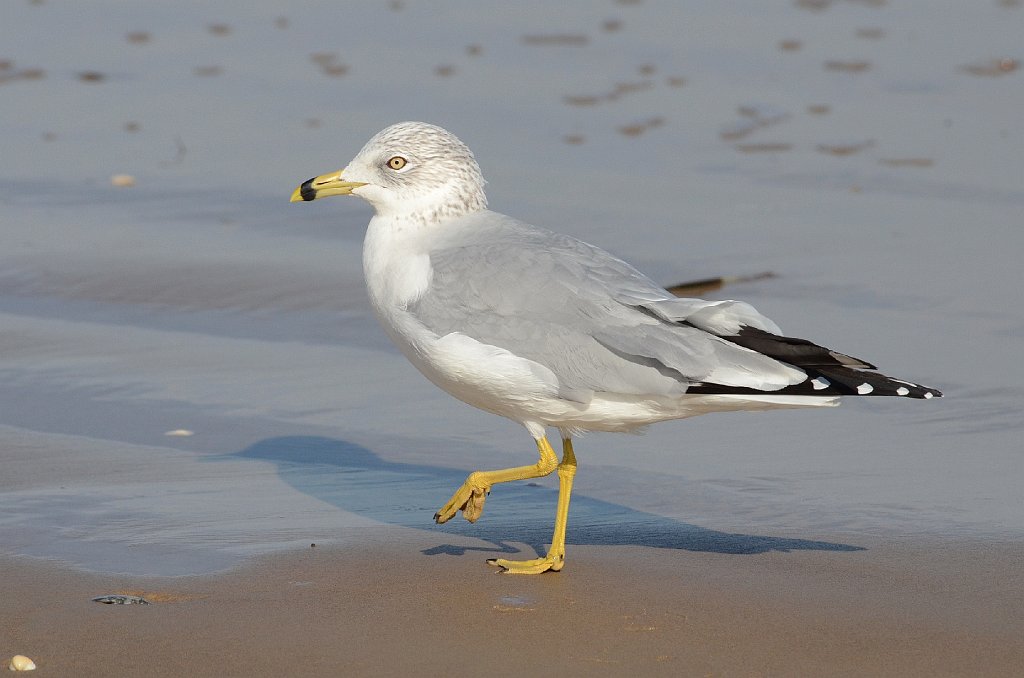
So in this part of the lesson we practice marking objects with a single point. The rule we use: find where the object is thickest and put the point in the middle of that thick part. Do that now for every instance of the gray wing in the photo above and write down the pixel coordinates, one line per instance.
(592, 319)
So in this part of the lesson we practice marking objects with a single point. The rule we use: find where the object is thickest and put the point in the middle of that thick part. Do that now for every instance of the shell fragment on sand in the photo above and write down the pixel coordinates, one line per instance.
(121, 599)
(20, 662)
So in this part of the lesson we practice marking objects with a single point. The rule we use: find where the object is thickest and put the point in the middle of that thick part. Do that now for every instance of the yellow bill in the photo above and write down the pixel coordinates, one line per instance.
(323, 186)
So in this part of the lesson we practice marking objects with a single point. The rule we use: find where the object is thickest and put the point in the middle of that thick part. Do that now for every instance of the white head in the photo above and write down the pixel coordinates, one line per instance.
(408, 170)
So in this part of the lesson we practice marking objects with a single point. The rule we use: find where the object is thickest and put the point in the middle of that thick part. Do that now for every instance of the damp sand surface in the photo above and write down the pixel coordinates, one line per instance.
(896, 609)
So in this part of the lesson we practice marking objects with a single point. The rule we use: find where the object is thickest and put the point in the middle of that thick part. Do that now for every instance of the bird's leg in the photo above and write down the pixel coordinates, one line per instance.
(470, 497)
(555, 558)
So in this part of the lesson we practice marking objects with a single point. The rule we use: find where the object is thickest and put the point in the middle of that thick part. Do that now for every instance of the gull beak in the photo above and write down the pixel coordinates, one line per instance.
(323, 186)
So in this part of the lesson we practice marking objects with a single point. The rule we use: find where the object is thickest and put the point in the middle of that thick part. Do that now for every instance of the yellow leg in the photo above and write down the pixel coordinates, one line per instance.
(471, 496)
(555, 559)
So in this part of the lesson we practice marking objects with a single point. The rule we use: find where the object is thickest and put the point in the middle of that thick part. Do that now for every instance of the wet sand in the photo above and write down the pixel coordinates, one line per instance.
(894, 609)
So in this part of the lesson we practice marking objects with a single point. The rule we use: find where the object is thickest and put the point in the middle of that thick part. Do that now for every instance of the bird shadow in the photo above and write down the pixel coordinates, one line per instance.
(354, 479)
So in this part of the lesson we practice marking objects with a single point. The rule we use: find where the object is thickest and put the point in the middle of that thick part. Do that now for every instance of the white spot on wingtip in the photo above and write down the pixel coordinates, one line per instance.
(929, 394)
(180, 433)
(902, 390)
(864, 389)
(820, 383)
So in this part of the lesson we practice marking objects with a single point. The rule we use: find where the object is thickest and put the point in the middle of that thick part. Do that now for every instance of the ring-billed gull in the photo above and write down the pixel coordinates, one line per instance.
(552, 332)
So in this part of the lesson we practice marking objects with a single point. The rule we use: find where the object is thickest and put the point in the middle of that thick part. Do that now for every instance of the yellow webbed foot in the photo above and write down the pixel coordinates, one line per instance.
(469, 499)
(552, 562)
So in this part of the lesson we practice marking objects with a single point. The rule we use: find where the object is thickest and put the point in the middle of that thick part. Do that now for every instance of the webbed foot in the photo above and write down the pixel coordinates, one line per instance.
(469, 499)
(552, 562)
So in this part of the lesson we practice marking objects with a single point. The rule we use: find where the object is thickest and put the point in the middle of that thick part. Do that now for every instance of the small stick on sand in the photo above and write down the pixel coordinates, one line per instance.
(708, 284)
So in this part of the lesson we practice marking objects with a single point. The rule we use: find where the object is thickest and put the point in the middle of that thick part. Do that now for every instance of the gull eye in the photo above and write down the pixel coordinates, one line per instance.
(397, 162)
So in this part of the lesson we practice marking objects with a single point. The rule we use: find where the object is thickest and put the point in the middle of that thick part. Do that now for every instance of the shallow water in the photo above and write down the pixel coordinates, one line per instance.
(857, 151)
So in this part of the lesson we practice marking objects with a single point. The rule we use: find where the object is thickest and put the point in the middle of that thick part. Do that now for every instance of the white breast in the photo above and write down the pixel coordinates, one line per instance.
(396, 266)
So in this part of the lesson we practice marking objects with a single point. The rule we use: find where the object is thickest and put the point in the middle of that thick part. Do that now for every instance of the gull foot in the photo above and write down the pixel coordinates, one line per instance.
(549, 563)
(469, 499)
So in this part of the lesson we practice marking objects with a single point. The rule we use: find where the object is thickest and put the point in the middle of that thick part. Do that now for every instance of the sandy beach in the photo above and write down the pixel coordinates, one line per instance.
(193, 389)
(895, 609)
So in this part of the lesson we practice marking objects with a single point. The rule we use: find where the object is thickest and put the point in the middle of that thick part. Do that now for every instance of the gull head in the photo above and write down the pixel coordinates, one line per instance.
(410, 170)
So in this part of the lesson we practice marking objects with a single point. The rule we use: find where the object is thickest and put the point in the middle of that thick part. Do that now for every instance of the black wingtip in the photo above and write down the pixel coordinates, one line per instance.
(858, 382)
(835, 381)
(829, 373)
(794, 351)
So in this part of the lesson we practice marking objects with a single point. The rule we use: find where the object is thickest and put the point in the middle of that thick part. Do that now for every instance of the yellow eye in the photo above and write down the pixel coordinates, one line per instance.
(397, 162)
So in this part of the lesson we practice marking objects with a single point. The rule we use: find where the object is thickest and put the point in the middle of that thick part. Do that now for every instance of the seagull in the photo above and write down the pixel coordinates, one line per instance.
(552, 332)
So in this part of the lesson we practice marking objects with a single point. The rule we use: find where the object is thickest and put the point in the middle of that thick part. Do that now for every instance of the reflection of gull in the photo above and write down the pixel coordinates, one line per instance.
(550, 331)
